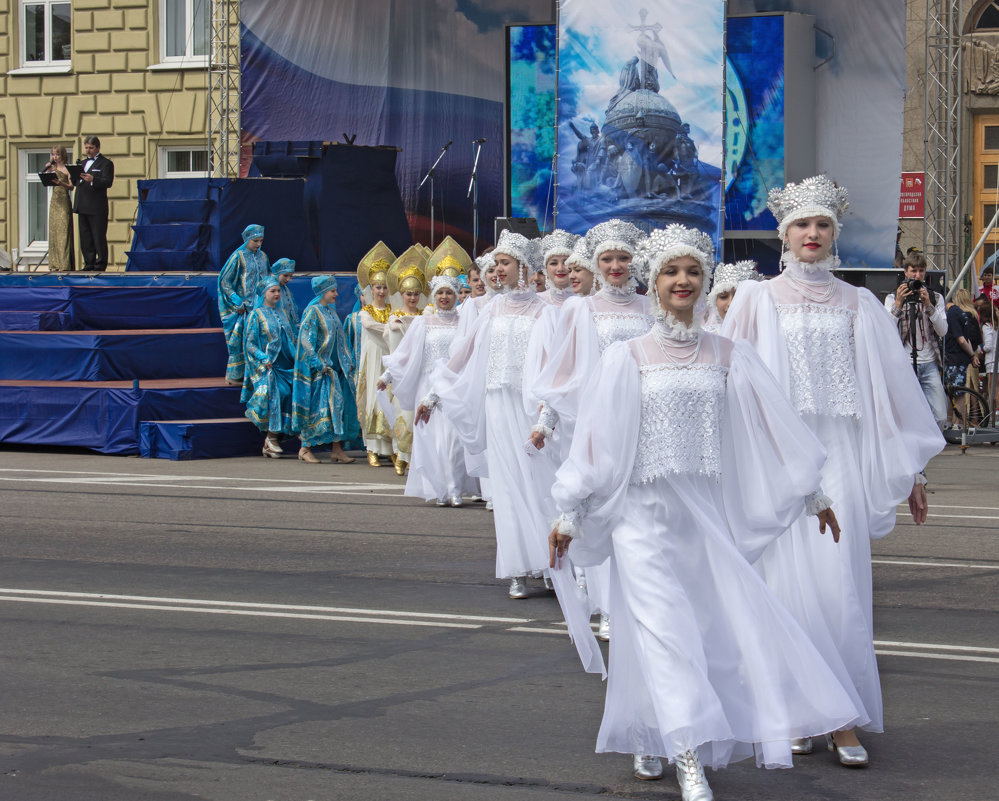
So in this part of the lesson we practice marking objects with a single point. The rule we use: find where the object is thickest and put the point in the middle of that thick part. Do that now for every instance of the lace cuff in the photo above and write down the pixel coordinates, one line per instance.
(817, 502)
(547, 418)
(567, 524)
(386, 377)
(920, 478)
(431, 401)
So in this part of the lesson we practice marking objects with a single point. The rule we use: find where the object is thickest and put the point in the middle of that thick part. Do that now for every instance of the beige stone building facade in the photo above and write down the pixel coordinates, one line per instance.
(132, 72)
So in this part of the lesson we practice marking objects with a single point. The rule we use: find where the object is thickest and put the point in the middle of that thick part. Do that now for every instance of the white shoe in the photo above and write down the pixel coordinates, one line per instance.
(648, 767)
(603, 630)
(548, 584)
(455, 502)
(489, 505)
(690, 775)
(518, 587)
(441, 502)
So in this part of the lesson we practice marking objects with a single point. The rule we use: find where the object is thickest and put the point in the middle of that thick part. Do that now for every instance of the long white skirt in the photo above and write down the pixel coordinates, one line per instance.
(520, 486)
(702, 655)
(827, 586)
(438, 468)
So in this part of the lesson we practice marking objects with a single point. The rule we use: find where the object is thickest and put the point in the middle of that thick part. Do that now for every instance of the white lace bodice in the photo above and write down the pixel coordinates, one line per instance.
(679, 430)
(435, 347)
(619, 326)
(821, 352)
(508, 350)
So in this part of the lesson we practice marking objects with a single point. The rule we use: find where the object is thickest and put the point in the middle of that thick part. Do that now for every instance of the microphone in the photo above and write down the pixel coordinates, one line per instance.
(478, 141)
(450, 142)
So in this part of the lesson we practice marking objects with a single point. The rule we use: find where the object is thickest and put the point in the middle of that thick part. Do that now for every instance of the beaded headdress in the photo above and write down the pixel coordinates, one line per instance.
(282, 266)
(449, 258)
(814, 197)
(672, 242)
(406, 274)
(322, 284)
(449, 281)
(516, 246)
(253, 231)
(728, 276)
(581, 256)
(485, 261)
(374, 266)
(557, 243)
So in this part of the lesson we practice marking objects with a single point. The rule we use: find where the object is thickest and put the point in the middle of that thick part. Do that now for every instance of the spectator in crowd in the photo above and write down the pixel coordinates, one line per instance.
(964, 338)
(987, 317)
(930, 324)
(988, 288)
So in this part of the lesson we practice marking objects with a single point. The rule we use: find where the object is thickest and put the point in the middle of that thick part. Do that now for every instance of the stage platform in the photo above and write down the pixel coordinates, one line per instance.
(105, 416)
(112, 355)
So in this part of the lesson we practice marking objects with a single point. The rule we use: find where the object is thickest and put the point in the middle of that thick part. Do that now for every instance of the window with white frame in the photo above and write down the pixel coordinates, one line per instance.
(46, 33)
(183, 162)
(34, 201)
(184, 30)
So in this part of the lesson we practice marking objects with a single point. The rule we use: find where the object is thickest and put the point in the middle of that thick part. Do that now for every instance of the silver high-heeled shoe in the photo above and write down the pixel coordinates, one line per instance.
(518, 587)
(851, 756)
(603, 630)
(648, 767)
(690, 775)
(802, 745)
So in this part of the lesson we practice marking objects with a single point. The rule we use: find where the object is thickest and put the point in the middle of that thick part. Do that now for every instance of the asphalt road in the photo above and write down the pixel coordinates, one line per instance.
(255, 630)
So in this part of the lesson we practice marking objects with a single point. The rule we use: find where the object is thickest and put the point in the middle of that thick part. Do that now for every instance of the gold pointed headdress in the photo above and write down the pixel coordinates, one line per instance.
(406, 274)
(449, 259)
(374, 267)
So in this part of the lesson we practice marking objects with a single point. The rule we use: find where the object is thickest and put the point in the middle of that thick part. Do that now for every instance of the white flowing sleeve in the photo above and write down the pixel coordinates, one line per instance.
(753, 317)
(899, 435)
(572, 358)
(771, 461)
(460, 386)
(403, 365)
(591, 485)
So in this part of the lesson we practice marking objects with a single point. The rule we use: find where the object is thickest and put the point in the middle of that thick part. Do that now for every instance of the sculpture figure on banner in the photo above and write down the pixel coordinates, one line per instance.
(642, 164)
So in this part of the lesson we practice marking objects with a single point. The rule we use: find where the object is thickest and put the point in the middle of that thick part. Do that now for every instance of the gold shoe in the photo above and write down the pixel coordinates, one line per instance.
(373, 459)
(307, 456)
(394, 457)
(400, 467)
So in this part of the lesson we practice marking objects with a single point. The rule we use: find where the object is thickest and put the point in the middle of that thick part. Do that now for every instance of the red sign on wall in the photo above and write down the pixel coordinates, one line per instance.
(911, 200)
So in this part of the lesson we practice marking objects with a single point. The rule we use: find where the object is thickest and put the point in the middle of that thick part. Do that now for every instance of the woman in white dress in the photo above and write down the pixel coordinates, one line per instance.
(555, 249)
(726, 280)
(837, 356)
(372, 277)
(437, 472)
(408, 289)
(686, 461)
(482, 391)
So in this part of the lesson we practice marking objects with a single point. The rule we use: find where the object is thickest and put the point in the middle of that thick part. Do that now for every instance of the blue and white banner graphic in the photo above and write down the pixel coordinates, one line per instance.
(640, 113)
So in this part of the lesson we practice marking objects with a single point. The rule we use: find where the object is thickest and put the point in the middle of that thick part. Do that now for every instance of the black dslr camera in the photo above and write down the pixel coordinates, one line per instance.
(915, 287)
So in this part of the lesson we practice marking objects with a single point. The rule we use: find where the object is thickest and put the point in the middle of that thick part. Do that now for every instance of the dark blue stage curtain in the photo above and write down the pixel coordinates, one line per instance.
(113, 308)
(35, 321)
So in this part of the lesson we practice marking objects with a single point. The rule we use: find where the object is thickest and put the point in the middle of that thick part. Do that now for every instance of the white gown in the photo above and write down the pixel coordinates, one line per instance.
(841, 363)
(402, 431)
(585, 329)
(481, 390)
(374, 427)
(437, 469)
(682, 474)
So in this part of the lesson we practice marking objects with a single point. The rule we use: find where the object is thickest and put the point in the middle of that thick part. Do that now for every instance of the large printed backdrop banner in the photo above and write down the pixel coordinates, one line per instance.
(415, 75)
(640, 113)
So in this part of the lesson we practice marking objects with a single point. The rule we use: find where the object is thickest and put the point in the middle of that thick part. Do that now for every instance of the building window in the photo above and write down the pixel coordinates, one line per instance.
(988, 18)
(184, 30)
(183, 162)
(46, 30)
(34, 201)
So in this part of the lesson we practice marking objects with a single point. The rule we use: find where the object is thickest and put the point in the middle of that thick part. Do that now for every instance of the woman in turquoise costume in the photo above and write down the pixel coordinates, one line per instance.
(270, 363)
(323, 406)
(238, 279)
(352, 329)
(283, 270)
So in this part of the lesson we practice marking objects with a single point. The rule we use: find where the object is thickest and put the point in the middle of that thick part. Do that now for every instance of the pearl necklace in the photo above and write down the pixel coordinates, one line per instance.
(810, 291)
(681, 353)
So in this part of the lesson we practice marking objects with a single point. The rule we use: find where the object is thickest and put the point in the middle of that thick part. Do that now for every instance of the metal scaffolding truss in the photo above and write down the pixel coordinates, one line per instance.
(223, 93)
(942, 231)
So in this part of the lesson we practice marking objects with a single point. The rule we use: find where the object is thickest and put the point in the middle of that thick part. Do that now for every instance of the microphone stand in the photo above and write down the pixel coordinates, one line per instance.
(473, 191)
(430, 175)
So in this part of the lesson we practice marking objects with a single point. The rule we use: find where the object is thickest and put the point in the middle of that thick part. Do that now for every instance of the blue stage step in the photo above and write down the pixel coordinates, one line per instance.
(105, 416)
(112, 355)
(181, 440)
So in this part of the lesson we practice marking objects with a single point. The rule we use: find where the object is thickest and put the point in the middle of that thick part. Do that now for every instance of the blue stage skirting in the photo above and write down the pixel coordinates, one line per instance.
(180, 440)
(105, 417)
(112, 355)
(109, 307)
(35, 321)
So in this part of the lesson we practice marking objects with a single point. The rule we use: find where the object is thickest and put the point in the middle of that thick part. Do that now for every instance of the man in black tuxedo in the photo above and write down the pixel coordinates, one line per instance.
(91, 204)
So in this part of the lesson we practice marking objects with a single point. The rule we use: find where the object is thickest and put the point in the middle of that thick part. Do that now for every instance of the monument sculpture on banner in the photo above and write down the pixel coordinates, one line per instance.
(641, 163)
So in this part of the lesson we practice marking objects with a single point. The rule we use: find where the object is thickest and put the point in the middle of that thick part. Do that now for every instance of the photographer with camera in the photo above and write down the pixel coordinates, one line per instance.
(922, 322)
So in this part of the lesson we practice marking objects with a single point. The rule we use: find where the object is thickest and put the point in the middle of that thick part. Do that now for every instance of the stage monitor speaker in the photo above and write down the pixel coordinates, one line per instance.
(528, 226)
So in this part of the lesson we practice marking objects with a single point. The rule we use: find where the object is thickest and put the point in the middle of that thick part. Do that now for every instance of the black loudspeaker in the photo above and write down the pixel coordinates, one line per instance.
(885, 282)
(528, 226)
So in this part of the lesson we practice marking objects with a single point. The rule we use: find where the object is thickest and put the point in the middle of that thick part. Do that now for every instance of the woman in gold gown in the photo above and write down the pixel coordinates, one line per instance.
(60, 214)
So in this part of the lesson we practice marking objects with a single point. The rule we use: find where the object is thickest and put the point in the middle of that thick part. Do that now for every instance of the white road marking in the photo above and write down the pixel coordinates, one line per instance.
(937, 646)
(947, 657)
(914, 563)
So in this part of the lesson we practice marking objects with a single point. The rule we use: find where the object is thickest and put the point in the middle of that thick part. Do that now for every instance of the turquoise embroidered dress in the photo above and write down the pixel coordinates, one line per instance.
(287, 303)
(324, 404)
(267, 391)
(238, 280)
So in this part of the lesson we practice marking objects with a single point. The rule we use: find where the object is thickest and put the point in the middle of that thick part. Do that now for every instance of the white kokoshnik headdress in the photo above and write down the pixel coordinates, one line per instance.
(444, 280)
(672, 242)
(581, 256)
(615, 235)
(729, 276)
(557, 243)
(817, 196)
(526, 251)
